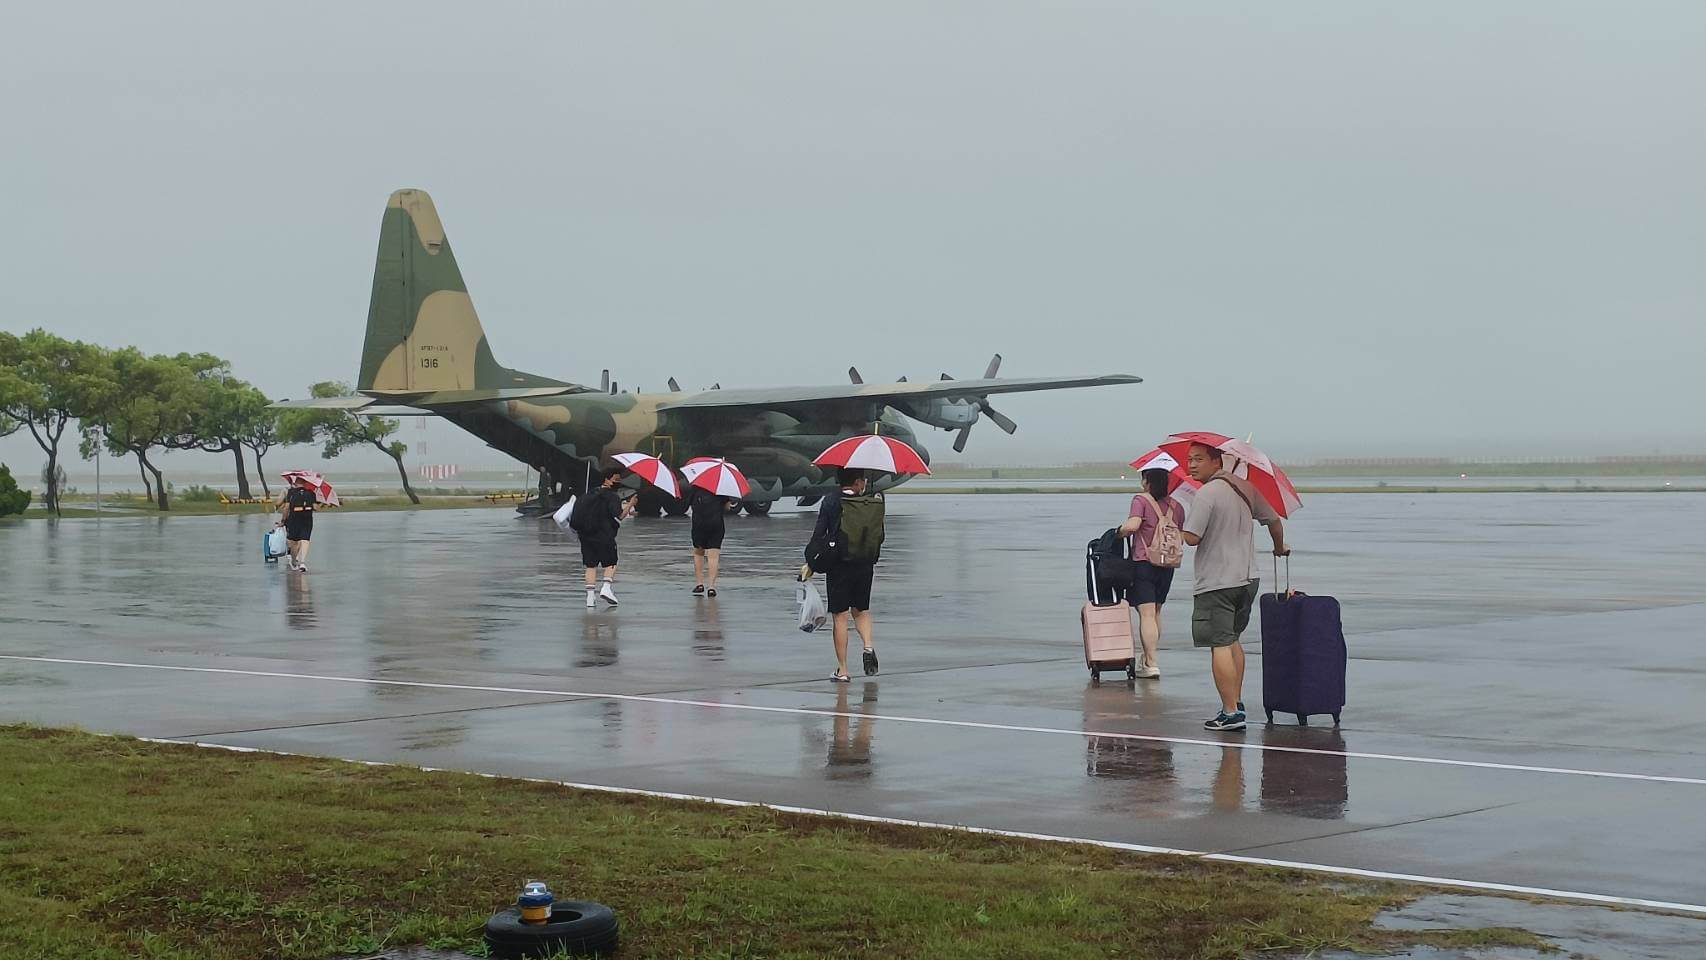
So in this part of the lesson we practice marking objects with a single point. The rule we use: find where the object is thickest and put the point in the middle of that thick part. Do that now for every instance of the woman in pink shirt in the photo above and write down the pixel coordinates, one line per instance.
(1156, 550)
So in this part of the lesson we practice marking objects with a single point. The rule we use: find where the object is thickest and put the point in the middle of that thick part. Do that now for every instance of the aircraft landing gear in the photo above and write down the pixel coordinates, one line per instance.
(651, 503)
(757, 508)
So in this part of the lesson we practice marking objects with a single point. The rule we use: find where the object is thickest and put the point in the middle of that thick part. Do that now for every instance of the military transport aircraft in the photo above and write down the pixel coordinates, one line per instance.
(426, 354)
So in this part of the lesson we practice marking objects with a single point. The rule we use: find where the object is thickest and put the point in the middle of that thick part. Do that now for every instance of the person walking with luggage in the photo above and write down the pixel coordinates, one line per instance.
(296, 515)
(846, 545)
(1154, 527)
(709, 513)
(596, 519)
(1221, 526)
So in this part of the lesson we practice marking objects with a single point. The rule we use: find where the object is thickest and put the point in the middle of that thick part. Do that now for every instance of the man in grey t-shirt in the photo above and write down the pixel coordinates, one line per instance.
(1220, 525)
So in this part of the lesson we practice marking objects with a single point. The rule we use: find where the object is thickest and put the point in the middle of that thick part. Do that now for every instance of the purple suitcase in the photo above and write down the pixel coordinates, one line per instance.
(1303, 654)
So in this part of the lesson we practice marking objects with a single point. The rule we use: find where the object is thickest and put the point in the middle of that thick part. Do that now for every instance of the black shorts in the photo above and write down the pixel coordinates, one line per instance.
(598, 553)
(707, 537)
(850, 586)
(295, 529)
(1149, 583)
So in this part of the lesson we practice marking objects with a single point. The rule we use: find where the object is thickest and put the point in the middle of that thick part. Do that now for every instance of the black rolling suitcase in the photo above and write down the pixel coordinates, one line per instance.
(1303, 653)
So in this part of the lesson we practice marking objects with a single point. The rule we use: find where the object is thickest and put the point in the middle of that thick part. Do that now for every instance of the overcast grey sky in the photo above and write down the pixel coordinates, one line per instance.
(1350, 227)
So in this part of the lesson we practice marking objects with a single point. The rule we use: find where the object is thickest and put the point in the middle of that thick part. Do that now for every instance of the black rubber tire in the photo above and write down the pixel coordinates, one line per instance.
(756, 508)
(587, 929)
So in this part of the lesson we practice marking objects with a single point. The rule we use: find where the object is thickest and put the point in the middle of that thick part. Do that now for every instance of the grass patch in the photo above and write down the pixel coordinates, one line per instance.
(113, 848)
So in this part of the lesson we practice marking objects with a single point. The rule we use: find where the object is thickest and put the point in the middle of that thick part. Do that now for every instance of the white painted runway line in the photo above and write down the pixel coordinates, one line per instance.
(1481, 885)
(931, 721)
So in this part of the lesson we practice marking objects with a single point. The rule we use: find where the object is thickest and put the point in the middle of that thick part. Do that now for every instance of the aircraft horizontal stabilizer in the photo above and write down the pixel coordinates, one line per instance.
(425, 400)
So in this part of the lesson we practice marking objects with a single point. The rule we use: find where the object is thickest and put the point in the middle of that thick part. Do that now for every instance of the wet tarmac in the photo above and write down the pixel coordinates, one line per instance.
(1525, 675)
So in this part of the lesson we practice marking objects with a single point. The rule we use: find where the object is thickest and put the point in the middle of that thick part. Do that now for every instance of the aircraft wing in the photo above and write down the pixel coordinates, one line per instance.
(781, 398)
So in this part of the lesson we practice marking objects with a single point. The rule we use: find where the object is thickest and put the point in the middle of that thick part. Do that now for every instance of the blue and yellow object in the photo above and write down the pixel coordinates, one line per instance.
(535, 902)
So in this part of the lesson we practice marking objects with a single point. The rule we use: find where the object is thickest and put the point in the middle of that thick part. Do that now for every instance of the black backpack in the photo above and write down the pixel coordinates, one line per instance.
(582, 512)
(1112, 568)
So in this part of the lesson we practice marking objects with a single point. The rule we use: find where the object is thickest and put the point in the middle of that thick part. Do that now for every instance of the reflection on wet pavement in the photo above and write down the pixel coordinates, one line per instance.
(850, 737)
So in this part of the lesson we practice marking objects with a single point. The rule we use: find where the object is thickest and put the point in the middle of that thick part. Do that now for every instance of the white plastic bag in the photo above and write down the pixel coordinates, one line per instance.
(275, 546)
(813, 613)
(562, 514)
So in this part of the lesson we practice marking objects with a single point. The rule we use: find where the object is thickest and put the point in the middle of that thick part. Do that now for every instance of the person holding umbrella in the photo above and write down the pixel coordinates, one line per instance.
(597, 519)
(713, 484)
(296, 516)
(1156, 548)
(848, 539)
(1220, 526)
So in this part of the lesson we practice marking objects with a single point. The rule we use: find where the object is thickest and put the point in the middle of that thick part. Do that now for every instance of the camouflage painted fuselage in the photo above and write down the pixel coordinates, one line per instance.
(565, 434)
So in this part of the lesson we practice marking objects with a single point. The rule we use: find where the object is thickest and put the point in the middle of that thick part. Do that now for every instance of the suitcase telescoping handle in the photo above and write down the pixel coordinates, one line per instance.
(1286, 593)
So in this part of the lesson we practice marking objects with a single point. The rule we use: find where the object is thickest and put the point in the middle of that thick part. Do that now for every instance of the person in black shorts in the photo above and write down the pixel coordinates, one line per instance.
(709, 511)
(849, 584)
(296, 509)
(1150, 581)
(604, 511)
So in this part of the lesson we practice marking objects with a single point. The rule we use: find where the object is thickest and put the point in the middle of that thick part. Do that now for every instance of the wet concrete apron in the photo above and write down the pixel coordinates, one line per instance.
(1524, 679)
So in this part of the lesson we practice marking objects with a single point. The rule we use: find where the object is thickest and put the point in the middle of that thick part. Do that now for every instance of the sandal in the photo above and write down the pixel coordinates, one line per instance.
(840, 678)
(699, 590)
(711, 592)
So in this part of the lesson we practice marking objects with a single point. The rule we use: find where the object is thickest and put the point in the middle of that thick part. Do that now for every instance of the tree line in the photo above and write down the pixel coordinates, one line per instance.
(125, 402)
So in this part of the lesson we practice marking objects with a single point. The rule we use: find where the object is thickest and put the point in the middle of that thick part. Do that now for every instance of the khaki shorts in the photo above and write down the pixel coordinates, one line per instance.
(1218, 617)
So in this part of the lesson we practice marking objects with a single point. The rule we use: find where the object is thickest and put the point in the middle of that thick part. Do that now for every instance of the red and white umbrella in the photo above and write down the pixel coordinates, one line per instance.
(322, 490)
(1180, 485)
(652, 470)
(1253, 465)
(875, 452)
(716, 475)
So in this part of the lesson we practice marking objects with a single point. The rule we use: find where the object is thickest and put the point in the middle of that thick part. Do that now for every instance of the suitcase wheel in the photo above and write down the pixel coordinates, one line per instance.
(1303, 720)
(1335, 719)
(1270, 718)
(1131, 670)
(1095, 675)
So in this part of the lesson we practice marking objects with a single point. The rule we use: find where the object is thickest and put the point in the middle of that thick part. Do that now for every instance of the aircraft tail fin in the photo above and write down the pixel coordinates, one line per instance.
(422, 332)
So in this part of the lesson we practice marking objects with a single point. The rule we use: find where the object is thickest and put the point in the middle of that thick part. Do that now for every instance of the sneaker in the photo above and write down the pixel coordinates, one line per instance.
(591, 598)
(302, 568)
(840, 678)
(1148, 671)
(870, 662)
(608, 594)
(699, 590)
(711, 592)
(1225, 721)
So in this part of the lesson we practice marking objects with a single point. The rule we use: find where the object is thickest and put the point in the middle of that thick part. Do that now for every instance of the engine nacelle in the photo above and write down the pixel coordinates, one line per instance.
(944, 413)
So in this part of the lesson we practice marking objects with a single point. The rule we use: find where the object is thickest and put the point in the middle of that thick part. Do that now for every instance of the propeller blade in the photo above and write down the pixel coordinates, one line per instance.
(946, 377)
(673, 386)
(1001, 419)
(613, 386)
(960, 441)
(994, 368)
(901, 380)
(604, 381)
(853, 375)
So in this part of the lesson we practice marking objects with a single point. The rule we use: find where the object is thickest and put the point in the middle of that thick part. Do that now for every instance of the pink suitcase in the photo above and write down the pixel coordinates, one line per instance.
(1108, 642)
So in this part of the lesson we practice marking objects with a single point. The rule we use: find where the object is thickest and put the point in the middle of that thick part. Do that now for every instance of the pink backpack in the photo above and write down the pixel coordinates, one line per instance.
(1166, 548)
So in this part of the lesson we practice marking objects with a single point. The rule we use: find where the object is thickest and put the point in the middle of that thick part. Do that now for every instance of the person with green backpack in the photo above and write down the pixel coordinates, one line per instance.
(845, 546)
